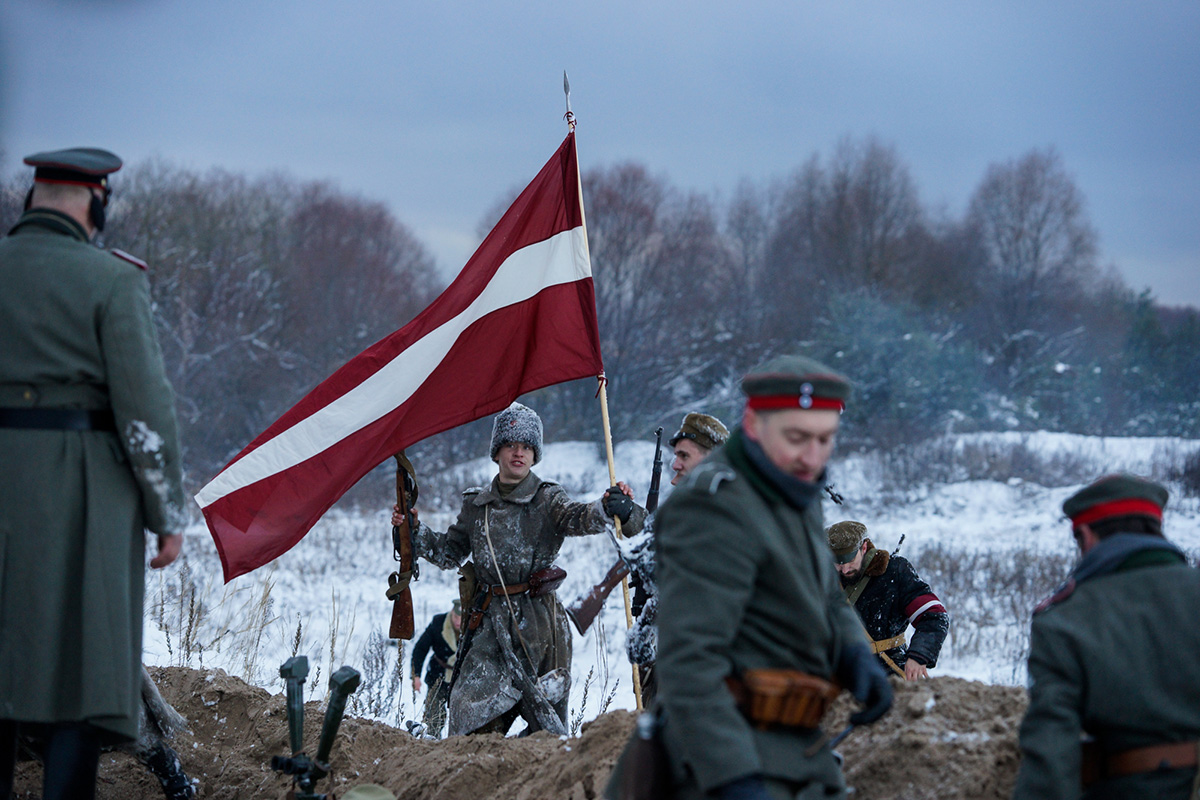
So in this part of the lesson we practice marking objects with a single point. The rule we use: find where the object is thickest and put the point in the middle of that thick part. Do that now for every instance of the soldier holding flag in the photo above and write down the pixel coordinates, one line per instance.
(515, 652)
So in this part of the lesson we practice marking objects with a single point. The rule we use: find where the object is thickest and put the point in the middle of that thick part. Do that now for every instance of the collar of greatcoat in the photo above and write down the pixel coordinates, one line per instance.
(523, 493)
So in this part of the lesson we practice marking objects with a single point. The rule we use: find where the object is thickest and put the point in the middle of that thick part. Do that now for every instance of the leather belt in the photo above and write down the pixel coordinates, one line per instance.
(1098, 766)
(1148, 759)
(880, 645)
(516, 588)
(58, 419)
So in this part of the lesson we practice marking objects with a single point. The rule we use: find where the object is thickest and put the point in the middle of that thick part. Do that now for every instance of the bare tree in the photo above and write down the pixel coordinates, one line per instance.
(1038, 251)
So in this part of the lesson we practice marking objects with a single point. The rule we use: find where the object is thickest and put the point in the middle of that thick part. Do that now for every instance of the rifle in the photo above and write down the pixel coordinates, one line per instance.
(584, 610)
(655, 473)
(406, 570)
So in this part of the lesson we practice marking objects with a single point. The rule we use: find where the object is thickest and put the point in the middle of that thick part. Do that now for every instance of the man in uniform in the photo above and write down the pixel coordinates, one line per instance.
(439, 642)
(1113, 657)
(749, 598)
(698, 435)
(89, 458)
(515, 654)
(889, 596)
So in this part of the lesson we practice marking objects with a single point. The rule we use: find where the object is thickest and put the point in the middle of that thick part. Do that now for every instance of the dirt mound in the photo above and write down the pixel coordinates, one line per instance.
(945, 738)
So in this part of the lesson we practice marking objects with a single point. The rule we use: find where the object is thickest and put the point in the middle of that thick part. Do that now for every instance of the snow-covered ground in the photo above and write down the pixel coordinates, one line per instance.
(990, 542)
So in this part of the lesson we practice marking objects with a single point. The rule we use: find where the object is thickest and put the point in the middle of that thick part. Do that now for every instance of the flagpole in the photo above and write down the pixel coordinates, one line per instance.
(603, 394)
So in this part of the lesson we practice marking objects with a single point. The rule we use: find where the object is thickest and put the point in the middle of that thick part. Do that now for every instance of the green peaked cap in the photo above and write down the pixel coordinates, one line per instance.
(1117, 495)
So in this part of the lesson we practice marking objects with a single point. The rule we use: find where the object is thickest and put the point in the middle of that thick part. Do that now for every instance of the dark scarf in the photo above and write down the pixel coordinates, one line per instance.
(748, 458)
(1113, 551)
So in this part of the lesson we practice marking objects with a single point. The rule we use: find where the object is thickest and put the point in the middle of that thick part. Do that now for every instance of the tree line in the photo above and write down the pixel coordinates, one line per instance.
(1003, 318)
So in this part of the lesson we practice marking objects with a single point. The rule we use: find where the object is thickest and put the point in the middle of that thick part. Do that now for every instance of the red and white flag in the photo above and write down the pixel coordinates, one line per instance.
(520, 316)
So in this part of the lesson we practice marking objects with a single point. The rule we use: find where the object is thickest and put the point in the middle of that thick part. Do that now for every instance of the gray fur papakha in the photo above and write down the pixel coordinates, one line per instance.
(517, 423)
(78, 333)
(703, 429)
(527, 528)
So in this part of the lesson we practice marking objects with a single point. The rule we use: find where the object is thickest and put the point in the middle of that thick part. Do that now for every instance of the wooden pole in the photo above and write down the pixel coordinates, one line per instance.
(612, 481)
(608, 446)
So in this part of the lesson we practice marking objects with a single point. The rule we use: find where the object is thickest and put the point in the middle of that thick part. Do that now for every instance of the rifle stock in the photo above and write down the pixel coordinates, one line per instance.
(584, 610)
(399, 592)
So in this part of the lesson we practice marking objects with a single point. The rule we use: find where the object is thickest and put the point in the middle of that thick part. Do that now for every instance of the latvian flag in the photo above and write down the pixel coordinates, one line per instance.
(520, 316)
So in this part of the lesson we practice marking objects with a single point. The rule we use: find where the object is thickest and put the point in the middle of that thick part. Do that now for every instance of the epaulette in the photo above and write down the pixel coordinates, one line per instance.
(1060, 594)
(472, 491)
(708, 477)
(137, 262)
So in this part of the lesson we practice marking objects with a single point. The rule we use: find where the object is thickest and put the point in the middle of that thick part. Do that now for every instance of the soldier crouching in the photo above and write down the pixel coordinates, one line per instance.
(889, 596)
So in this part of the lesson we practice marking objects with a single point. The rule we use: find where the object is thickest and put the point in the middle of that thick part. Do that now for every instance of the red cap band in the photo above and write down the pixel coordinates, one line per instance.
(803, 401)
(1117, 508)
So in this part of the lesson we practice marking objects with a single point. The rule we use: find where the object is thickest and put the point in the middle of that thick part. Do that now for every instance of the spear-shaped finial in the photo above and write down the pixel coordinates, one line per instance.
(570, 115)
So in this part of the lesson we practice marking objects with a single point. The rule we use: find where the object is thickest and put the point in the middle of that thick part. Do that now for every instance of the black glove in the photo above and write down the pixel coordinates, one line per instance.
(618, 504)
(860, 672)
(750, 787)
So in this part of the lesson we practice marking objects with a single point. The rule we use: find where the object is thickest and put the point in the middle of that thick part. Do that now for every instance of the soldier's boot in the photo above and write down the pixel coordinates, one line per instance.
(70, 761)
(8, 756)
(165, 765)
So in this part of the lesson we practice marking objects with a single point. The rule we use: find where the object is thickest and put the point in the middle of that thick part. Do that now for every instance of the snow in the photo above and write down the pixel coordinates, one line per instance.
(326, 598)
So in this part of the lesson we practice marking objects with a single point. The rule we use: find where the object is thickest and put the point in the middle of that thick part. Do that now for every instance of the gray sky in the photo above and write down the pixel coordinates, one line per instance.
(438, 109)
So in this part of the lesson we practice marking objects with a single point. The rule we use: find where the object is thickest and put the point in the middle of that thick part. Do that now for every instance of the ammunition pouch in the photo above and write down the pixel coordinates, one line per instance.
(467, 586)
(782, 698)
(545, 581)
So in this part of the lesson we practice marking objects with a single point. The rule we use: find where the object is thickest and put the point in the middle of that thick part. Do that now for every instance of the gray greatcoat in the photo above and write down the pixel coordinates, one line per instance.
(745, 581)
(77, 332)
(527, 529)
(1114, 655)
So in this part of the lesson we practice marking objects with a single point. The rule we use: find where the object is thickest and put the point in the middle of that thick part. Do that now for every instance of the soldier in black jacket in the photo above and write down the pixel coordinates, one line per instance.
(889, 596)
(440, 637)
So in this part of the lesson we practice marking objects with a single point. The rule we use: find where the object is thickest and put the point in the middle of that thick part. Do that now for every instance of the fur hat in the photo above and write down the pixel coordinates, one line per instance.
(845, 539)
(704, 430)
(517, 423)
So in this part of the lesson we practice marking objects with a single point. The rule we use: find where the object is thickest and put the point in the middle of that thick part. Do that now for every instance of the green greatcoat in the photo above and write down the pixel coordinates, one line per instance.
(746, 581)
(1115, 655)
(78, 333)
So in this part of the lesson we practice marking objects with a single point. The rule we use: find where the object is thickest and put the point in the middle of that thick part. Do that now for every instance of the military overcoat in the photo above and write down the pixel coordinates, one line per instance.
(895, 597)
(527, 528)
(745, 581)
(78, 333)
(1114, 656)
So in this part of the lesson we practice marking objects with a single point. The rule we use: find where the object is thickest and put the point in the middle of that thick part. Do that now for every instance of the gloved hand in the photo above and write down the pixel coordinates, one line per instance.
(617, 504)
(861, 673)
(750, 787)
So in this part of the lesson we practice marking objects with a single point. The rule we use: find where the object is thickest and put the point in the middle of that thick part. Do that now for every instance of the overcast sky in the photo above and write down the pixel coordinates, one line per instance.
(440, 108)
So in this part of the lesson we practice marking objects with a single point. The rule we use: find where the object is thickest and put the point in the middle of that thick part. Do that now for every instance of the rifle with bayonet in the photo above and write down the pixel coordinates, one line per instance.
(407, 571)
(584, 610)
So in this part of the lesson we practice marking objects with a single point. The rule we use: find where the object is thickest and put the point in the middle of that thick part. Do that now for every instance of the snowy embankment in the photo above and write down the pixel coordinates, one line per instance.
(978, 525)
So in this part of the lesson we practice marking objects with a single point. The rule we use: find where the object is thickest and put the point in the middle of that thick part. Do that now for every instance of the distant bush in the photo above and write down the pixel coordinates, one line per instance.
(1188, 475)
(953, 460)
(990, 597)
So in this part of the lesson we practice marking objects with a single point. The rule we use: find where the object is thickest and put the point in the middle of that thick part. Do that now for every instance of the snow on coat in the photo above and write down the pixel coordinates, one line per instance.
(527, 529)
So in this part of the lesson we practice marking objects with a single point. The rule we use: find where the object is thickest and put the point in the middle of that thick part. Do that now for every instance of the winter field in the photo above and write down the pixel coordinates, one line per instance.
(980, 515)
